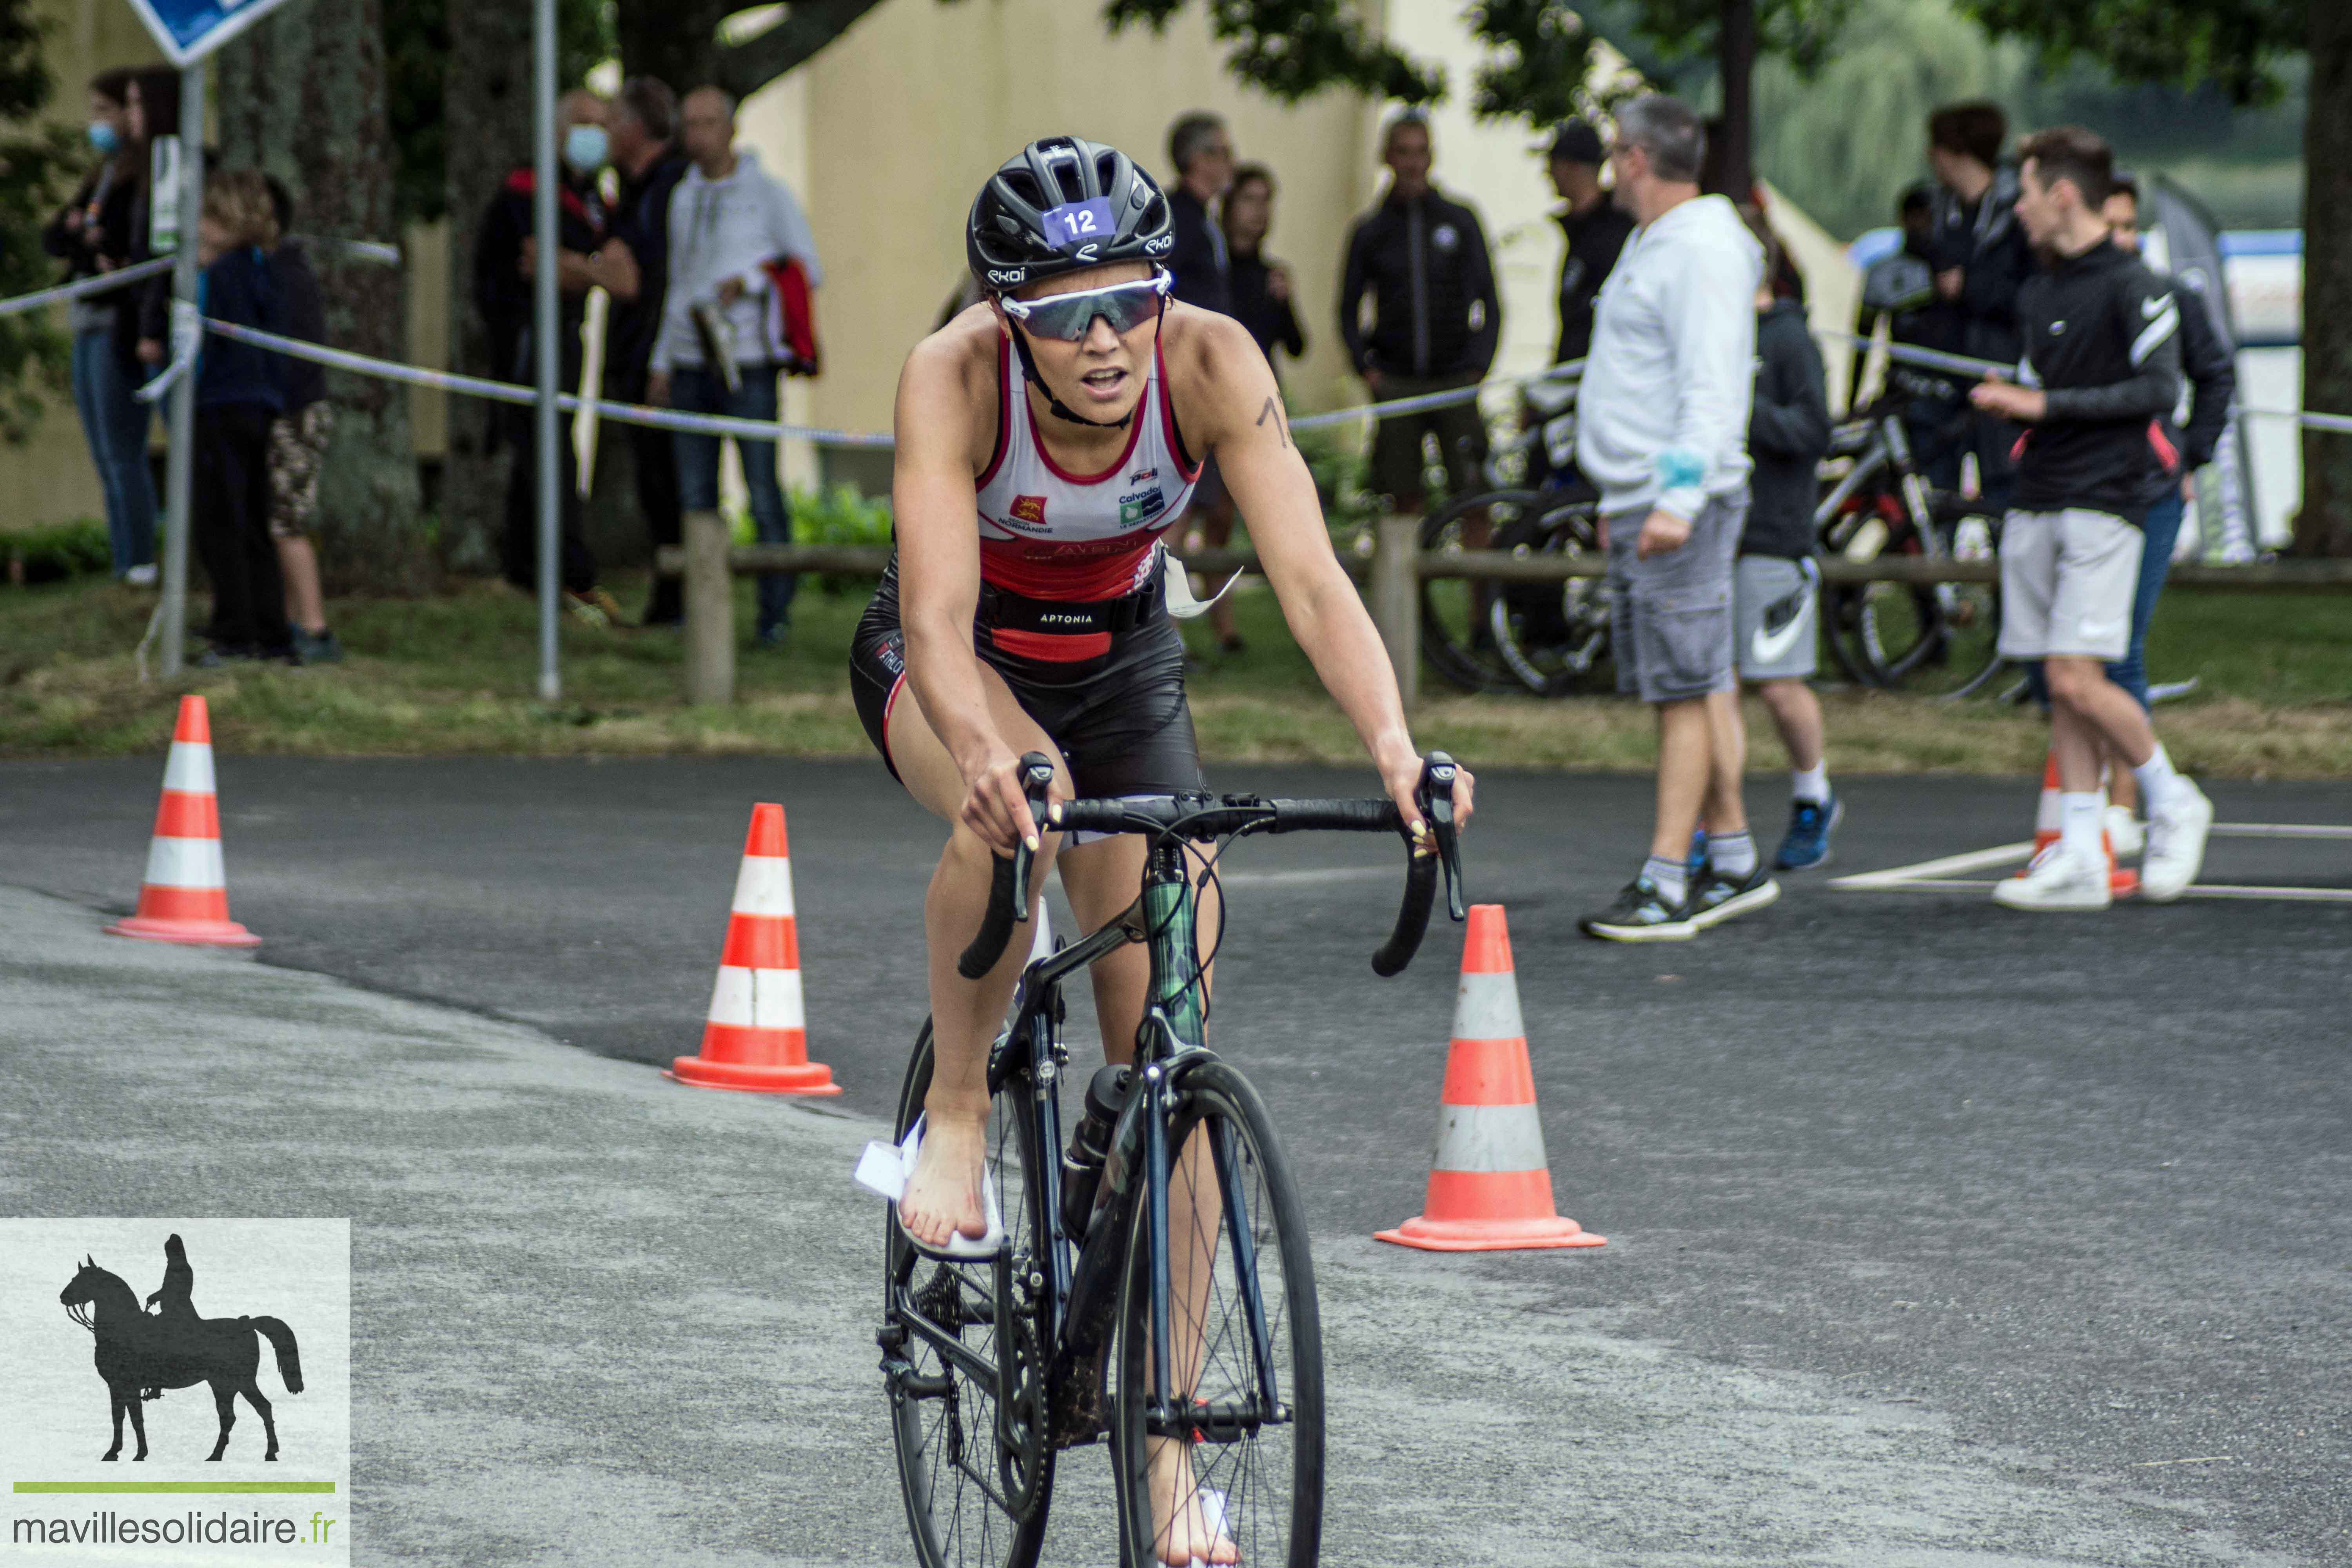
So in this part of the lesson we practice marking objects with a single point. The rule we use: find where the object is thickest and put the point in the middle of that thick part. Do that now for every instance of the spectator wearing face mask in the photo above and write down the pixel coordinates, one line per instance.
(506, 267)
(94, 235)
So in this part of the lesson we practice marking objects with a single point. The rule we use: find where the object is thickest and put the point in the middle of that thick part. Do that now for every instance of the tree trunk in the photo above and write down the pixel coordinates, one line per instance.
(488, 125)
(2324, 525)
(1735, 161)
(675, 40)
(302, 97)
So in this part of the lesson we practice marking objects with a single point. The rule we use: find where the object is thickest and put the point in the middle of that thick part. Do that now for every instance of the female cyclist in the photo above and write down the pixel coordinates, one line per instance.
(1046, 437)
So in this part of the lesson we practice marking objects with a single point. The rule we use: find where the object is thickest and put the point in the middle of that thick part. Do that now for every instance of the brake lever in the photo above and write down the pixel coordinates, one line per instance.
(1436, 803)
(1036, 778)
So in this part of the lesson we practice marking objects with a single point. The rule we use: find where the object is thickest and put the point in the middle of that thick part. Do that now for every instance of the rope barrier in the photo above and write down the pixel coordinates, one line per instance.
(524, 396)
(760, 431)
(102, 283)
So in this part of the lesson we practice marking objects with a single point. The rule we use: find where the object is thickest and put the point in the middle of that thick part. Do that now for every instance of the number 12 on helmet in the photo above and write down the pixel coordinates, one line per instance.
(1074, 224)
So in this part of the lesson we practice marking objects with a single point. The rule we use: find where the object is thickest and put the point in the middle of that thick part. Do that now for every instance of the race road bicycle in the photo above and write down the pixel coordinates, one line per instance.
(1154, 1280)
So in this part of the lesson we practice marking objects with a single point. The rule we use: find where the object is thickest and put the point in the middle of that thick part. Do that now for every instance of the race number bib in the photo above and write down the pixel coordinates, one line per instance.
(1076, 225)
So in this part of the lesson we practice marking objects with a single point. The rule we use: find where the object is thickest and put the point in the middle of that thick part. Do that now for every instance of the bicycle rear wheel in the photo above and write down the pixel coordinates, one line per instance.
(1454, 634)
(1247, 1407)
(1553, 635)
(964, 1363)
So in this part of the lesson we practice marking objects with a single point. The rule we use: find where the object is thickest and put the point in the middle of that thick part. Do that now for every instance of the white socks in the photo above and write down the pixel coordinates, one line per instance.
(2081, 823)
(1671, 877)
(1733, 854)
(2160, 783)
(1810, 784)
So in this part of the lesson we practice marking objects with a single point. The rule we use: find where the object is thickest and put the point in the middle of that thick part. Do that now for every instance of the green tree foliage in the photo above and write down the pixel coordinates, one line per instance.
(33, 169)
(1295, 48)
(1545, 45)
(2236, 45)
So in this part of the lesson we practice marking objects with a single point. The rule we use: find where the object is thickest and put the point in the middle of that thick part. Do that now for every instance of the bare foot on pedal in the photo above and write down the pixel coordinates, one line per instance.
(1182, 1530)
(942, 1198)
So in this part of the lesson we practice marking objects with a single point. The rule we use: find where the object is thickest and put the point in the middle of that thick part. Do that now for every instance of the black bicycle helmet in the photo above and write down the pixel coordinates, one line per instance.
(1037, 217)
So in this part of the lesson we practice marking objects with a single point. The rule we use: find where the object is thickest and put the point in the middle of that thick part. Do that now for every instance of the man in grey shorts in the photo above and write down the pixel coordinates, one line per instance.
(2102, 368)
(1663, 434)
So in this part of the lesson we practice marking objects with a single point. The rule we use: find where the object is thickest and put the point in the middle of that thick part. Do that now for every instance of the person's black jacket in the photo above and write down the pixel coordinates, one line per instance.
(117, 241)
(1788, 435)
(1984, 239)
(239, 288)
(1270, 321)
(1595, 240)
(2103, 341)
(1199, 263)
(2213, 372)
(1426, 265)
(641, 222)
(108, 238)
(504, 296)
(304, 310)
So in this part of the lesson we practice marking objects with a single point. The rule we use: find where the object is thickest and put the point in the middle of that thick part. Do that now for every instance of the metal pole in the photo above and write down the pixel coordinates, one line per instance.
(180, 466)
(545, 328)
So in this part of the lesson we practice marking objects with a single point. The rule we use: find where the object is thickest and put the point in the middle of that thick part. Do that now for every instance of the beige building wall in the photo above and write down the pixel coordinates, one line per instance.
(910, 110)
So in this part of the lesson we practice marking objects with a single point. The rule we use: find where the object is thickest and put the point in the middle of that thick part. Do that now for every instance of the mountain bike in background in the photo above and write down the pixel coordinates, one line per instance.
(1548, 637)
(1935, 638)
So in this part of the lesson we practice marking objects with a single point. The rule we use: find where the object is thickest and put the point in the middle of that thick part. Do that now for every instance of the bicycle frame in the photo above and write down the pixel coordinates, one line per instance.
(1080, 1281)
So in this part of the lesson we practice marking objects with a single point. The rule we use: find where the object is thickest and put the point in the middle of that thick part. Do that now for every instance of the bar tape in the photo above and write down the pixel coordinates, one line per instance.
(105, 282)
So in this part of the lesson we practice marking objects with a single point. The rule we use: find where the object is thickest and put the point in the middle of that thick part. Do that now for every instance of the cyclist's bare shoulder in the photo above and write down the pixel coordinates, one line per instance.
(1218, 381)
(947, 392)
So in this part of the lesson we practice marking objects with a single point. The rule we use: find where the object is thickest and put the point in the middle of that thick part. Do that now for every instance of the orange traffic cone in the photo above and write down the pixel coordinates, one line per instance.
(2122, 881)
(755, 1039)
(185, 895)
(1490, 1185)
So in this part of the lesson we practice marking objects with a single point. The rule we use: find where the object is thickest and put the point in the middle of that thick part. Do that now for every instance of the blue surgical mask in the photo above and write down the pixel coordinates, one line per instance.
(585, 148)
(104, 136)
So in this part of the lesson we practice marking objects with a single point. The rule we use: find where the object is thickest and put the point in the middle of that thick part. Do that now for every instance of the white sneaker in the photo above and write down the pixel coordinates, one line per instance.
(2057, 882)
(2176, 844)
(2125, 835)
(141, 576)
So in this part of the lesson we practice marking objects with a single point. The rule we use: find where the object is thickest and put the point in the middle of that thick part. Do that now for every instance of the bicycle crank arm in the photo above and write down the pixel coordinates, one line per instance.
(1221, 1421)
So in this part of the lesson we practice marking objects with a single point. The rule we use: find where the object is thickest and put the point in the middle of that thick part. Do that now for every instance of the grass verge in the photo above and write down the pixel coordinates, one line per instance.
(455, 675)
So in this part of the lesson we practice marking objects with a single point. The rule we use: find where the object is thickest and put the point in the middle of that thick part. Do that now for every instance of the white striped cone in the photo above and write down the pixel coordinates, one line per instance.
(756, 1037)
(184, 897)
(1490, 1184)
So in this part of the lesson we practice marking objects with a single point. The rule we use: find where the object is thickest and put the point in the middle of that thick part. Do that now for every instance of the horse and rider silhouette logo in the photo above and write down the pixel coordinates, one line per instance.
(140, 1353)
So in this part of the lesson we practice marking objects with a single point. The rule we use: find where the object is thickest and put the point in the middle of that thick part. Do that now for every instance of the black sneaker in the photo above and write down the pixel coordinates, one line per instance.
(1641, 914)
(1716, 897)
(320, 650)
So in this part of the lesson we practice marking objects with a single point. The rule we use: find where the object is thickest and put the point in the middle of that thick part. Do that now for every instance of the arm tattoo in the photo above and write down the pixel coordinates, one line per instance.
(1273, 410)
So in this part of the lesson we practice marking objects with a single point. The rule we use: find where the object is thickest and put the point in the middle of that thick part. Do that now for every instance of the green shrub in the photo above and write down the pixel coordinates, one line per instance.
(60, 550)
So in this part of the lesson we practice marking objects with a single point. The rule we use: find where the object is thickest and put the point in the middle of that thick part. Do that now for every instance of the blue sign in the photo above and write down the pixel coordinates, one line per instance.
(1075, 225)
(189, 29)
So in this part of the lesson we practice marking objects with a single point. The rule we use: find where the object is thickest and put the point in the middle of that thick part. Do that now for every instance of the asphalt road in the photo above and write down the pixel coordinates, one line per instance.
(2062, 1200)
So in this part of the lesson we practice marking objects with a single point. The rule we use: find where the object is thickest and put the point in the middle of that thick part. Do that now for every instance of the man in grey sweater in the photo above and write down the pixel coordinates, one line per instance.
(727, 219)
(1663, 432)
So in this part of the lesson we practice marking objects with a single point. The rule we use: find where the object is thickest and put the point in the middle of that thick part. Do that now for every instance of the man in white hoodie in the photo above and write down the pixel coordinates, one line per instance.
(727, 219)
(1663, 431)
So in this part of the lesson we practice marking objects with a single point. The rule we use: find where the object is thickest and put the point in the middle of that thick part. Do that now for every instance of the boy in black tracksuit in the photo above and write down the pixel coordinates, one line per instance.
(1776, 587)
(2101, 373)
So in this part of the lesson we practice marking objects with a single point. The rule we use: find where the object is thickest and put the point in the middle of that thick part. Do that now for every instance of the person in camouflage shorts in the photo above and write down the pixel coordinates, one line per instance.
(297, 448)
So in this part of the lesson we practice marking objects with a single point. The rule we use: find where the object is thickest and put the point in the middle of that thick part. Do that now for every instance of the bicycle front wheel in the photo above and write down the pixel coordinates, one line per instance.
(963, 1360)
(1237, 1449)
